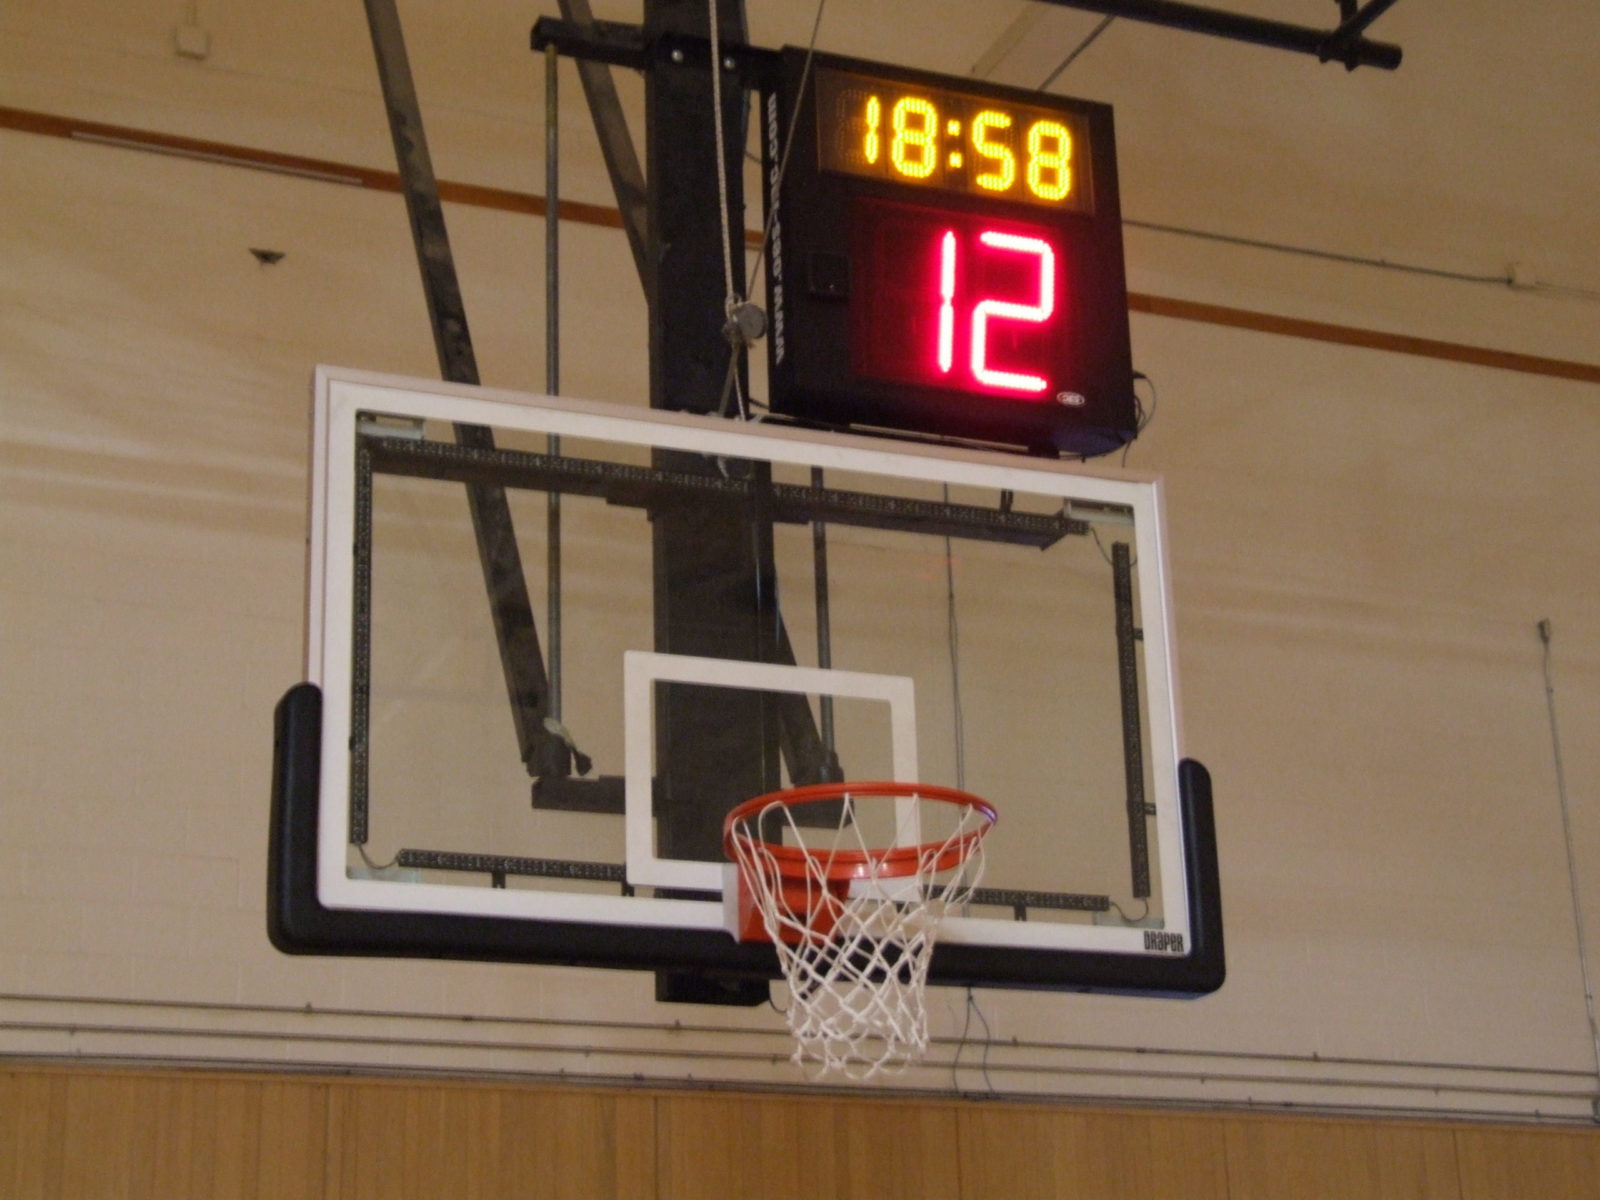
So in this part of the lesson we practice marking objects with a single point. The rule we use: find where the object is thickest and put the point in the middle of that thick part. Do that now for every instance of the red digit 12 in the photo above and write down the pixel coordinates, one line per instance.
(994, 310)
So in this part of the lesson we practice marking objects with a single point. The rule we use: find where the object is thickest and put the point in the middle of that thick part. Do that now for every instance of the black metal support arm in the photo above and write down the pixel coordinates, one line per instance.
(1344, 44)
(621, 44)
(1354, 24)
(611, 126)
(512, 610)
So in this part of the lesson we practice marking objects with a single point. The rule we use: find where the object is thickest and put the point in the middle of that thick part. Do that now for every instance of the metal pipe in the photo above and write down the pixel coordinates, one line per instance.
(1032, 1046)
(1356, 23)
(1321, 43)
(552, 368)
(819, 560)
(80, 1031)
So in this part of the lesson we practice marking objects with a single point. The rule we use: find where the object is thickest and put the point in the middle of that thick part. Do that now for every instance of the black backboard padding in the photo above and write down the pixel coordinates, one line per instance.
(298, 923)
(1197, 973)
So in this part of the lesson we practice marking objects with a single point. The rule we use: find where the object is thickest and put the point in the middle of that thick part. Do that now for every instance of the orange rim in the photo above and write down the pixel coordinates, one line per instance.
(796, 862)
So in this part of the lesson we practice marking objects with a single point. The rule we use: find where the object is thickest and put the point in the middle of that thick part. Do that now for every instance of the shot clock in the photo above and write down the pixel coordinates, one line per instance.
(946, 259)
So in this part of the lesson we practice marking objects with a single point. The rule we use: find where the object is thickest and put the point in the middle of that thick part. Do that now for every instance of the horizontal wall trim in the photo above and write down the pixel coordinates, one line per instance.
(234, 1035)
(325, 170)
(402, 1016)
(158, 1068)
(531, 204)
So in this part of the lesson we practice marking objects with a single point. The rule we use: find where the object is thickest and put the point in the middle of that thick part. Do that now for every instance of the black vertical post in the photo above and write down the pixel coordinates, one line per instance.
(1132, 737)
(688, 352)
(714, 573)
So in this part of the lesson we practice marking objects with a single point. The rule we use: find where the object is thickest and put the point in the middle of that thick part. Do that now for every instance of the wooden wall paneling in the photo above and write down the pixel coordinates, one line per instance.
(1188, 1157)
(105, 1123)
(202, 1137)
(366, 1142)
(88, 1134)
(740, 1146)
(780, 1148)
(398, 1141)
(577, 1145)
(72, 1133)
(1273, 1157)
(897, 1149)
(453, 1143)
(1019, 1153)
(32, 1125)
(635, 1121)
(1501, 1164)
(294, 1140)
(197, 1137)
(410, 1140)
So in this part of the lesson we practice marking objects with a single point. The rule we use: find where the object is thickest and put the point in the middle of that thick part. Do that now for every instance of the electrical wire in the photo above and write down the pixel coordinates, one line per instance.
(1592, 295)
(1230, 239)
(1141, 415)
(1545, 636)
(1133, 559)
(372, 866)
(953, 638)
(1076, 50)
(1505, 279)
(788, 145)
(959, 737)
(1121, 912)
(972, 1008)
(739, 341)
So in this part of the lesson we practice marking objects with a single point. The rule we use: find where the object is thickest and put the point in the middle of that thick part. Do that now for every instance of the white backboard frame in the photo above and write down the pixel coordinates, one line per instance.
(342, 396)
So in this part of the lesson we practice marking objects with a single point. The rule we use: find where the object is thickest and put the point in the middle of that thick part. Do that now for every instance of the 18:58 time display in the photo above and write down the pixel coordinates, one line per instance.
(946, 141)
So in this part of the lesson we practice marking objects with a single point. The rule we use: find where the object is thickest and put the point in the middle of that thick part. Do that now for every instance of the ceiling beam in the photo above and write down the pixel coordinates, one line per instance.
(1343, 44)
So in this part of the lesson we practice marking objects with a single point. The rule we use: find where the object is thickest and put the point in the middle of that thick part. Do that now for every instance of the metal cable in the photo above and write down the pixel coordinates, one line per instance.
(731, 385)
(731, 299)
(1545, 635)
(1076, 50)
(1504, 279)
(722, 162)
(788, 145)
(552, 375)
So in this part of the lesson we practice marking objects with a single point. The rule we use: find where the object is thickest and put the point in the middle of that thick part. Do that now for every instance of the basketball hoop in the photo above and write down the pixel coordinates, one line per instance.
(853, 909)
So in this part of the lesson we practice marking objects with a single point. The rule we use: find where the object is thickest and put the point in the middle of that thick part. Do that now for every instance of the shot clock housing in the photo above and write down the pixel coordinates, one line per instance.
(946, 258)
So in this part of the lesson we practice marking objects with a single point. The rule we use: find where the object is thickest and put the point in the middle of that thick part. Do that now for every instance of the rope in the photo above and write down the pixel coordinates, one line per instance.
(731, 300)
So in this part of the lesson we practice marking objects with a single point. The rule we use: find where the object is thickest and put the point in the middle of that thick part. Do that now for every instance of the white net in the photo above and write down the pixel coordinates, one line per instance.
(856, 952)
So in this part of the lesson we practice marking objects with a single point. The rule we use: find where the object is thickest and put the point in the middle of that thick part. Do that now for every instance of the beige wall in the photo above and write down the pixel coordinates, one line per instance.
(1363, 542)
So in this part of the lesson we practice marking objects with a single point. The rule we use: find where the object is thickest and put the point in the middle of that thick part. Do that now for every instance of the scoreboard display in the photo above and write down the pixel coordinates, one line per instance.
(946, 259)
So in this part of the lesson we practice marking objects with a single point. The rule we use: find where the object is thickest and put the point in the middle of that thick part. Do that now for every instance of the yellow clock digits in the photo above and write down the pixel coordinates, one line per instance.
(914, 147)
(871, 143)
(1005, 173)
(1049, 160)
